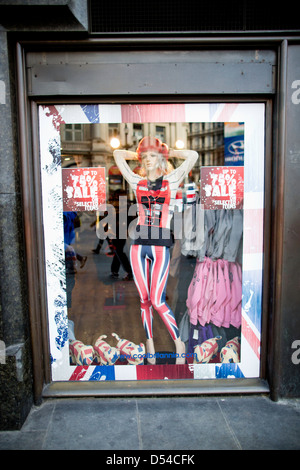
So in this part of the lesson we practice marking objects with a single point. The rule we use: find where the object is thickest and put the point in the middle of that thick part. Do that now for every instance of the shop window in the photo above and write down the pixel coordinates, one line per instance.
(73, 132)
(113, 129)
(160, 132)
(138, 132)
(196, 237)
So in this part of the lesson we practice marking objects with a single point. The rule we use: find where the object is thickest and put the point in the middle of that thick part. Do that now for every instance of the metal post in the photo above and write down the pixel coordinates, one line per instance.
(276, 366)
(28, 191)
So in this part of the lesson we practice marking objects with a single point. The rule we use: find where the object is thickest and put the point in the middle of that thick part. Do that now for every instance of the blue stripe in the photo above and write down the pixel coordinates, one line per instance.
(92, 112)
(252, 296)
(223, 371)
(103, 371)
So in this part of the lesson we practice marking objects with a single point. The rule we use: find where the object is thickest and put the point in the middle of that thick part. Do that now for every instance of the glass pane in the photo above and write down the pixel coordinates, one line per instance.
(167, 284)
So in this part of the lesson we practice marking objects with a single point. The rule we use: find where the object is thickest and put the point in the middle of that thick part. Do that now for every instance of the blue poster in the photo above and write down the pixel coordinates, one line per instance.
(234, 143)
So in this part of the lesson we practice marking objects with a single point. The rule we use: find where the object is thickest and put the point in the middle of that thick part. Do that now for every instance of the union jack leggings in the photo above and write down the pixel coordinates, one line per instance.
(150, 267)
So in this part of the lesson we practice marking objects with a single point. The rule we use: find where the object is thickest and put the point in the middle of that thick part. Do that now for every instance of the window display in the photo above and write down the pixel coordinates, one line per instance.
(153, 228)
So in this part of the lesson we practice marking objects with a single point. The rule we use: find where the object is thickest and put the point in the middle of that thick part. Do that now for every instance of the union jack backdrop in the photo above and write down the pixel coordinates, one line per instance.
(252, 114)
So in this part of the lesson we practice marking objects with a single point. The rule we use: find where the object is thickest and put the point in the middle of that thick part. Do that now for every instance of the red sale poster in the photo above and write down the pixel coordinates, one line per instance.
(222, 187)
(83, 189)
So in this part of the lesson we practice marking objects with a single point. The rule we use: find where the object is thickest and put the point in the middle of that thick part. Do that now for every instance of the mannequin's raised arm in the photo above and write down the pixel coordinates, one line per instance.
(185, 154)
(189, 156)
(120, 157)
(125, 154)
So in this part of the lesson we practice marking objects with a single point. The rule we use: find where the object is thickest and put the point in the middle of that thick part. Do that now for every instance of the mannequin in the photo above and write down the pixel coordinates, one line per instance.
(149, 253)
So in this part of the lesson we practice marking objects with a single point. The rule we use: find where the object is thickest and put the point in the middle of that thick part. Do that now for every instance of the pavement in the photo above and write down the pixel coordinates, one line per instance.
(160, 425)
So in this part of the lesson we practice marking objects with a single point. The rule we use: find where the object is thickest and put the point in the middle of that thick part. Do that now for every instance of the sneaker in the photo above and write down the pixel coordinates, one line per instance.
(128, 277)
(83, 261)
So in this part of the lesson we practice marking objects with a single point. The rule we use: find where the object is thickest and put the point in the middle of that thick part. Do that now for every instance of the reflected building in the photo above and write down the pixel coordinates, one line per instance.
(89, 145)
(207, 138)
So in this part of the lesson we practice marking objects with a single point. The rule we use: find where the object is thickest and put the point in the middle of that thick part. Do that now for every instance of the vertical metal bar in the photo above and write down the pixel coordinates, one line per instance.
(278, 210)
(28, 197)
(267, 233)
(45, 360)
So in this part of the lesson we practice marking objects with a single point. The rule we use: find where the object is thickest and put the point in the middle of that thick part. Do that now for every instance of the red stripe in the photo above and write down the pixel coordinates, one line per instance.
(160, 372)
(251, 337)
(153, 113)
(79, 373)
(160, 257)
(171, 319)
(139, 279)
(57, 119)
(124, 345)
(147, 321)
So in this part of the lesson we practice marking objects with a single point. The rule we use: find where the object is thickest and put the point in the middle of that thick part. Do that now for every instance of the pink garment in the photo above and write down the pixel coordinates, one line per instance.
(215, 288)
(236, 295)
(236, 286)
(215, 293)
(217, 314)
(227, 305)
(236, 316)
(239, 271)
(208, 295)
(203, 299)
(194, 293)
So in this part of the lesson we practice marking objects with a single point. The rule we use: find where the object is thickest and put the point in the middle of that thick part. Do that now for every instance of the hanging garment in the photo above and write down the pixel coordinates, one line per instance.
(193, 235)
(195, 292)
(217, 314)
(223, 230)
(215, 294)
(220, 331)
(236, 295)
(232, 246)
(227, 303)
(220, 233)
(184, 327)
(209, 223)
(205, 302)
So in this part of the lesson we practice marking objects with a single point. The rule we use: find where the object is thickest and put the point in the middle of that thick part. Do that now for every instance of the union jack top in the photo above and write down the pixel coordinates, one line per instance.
(156, 200)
